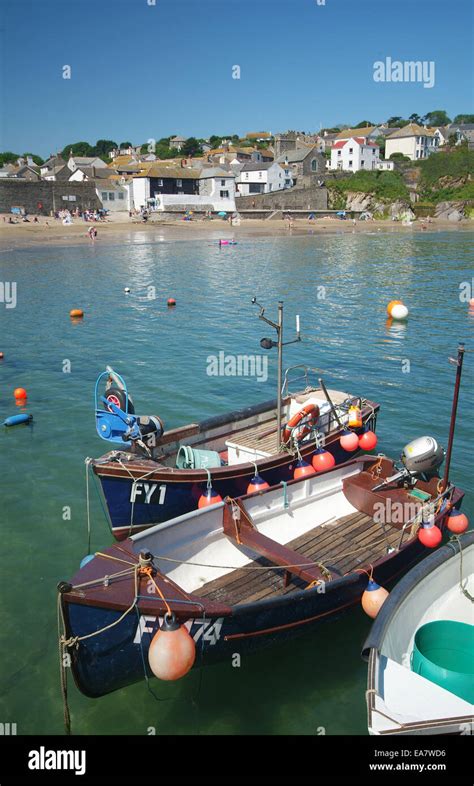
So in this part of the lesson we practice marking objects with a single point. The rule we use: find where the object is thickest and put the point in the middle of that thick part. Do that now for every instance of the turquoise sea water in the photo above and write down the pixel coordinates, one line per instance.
(317, 682)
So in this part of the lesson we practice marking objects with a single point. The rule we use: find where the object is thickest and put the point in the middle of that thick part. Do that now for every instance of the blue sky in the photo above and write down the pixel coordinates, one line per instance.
(141, 71)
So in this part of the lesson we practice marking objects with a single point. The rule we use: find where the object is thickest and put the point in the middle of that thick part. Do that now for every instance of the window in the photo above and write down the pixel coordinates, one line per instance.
(339, 152)
(373, 151)
(246, 175)
(160, 181)
(121, 195)
(179, 183)
(259, 175)
(361, 163)
(222, 182)
(111, 196)
(350, 163)
(314, 165)
(351, 150)
(224, 195)
(104, 196)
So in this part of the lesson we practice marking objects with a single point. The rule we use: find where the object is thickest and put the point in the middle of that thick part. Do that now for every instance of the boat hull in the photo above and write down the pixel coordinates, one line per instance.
(107, 662)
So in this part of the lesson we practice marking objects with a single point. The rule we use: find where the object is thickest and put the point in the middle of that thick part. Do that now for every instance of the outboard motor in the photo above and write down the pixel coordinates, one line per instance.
(423, 456)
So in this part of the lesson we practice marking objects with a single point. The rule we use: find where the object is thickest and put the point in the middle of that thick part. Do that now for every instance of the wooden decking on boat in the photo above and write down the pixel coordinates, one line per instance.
(340, 546)
(259, 437)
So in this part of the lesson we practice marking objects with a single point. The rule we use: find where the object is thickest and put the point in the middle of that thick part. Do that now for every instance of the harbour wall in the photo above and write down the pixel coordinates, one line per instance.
(43, 196)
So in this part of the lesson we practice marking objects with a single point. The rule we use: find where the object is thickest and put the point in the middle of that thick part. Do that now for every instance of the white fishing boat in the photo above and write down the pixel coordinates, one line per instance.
(421, 648)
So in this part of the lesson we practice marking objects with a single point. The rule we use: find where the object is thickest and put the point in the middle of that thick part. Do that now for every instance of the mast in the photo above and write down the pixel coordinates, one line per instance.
(458, 362)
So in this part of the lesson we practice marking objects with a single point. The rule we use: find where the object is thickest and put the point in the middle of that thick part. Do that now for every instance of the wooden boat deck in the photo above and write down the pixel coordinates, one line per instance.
(353, 541)
(263, 437)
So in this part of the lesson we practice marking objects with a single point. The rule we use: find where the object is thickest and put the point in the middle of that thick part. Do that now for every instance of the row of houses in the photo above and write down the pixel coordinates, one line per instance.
(215, 181)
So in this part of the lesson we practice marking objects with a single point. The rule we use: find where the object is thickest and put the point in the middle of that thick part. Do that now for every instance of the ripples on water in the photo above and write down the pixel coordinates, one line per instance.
(318, 680)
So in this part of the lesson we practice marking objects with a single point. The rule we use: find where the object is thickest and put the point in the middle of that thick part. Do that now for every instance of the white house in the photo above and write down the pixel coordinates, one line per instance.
(76, 161)
(260, 178)
(114, 196)
(355, 153)
(412, 141)
(168, 187)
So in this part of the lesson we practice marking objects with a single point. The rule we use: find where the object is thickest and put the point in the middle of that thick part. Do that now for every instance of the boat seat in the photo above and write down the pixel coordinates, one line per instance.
(244, 533)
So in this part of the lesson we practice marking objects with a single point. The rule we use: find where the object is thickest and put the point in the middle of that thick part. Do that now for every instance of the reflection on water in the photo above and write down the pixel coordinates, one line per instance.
(340, 285)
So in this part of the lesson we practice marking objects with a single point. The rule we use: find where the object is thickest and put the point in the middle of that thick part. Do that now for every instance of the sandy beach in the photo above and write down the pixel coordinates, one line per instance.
(52, 231)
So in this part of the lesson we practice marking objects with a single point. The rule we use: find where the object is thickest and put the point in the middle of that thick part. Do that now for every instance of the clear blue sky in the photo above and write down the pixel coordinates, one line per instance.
(141, 71)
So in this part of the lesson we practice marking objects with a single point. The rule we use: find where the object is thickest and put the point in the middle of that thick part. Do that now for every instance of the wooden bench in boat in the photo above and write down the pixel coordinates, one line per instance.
(348, 543)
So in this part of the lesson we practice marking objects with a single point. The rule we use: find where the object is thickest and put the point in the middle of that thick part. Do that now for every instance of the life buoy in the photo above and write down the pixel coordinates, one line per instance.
(310, 412)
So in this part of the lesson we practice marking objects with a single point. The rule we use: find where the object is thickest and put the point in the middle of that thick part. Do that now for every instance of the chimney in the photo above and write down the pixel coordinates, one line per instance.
(29, 161)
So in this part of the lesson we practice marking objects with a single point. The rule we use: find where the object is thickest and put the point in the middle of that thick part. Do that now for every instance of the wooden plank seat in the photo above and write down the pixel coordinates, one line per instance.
(243, 532)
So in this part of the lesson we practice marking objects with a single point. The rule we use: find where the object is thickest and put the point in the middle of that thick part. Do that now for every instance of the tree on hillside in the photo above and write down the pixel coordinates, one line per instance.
(124, 144)
(364, 124)
(464, 119)
(104, 146)
(78, 149)
(191, 147)
(414, 118)
(396, 122)
(436, 118)
(215, 141)
(8, 158)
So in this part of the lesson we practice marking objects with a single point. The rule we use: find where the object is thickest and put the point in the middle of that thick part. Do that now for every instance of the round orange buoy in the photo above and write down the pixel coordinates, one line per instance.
(349, 441)
(471, 303)
(368, 440)
(373, 598)
(323, 459)
(430, 535)
(172, 650)
(211, 497)
(20, 393)
(76, 312)
(171, 301)
(457, 522)
(303, 469)
(257, 483)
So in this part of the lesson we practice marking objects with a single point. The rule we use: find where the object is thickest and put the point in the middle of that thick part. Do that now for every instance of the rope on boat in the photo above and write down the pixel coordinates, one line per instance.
(462, 586)
(87, 462)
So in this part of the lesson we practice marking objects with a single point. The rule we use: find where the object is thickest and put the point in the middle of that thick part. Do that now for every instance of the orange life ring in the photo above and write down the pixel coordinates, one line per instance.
(311, 410)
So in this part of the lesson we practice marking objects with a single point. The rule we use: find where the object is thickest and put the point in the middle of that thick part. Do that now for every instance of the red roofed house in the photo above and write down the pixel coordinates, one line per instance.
(354, 154)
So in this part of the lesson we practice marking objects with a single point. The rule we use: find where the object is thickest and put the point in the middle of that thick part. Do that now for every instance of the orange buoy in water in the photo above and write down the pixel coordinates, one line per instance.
(211, 497)
(303, 469)
(430, 535)
(392, 304)
(20, 393)
(172, 650)
(457, 522)
(1, 355)
(76, 312)
(171, 301)
(257, 483)
(368, 440)
(349, 441)
(373, 598)
(322, 459)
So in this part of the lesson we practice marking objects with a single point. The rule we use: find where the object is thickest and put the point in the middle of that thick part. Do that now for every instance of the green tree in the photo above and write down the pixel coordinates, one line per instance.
(399, 157)
(464, 119)
(8, 158)
(215, 141)
(364, 124)
(380, 141)
(103, 147)
(414, 118)
(125, 144)
(191, 147)
(78, 149)
(436, 118)
(396, 122)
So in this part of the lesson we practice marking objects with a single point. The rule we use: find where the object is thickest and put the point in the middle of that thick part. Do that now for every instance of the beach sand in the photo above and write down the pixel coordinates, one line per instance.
(54, 232)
